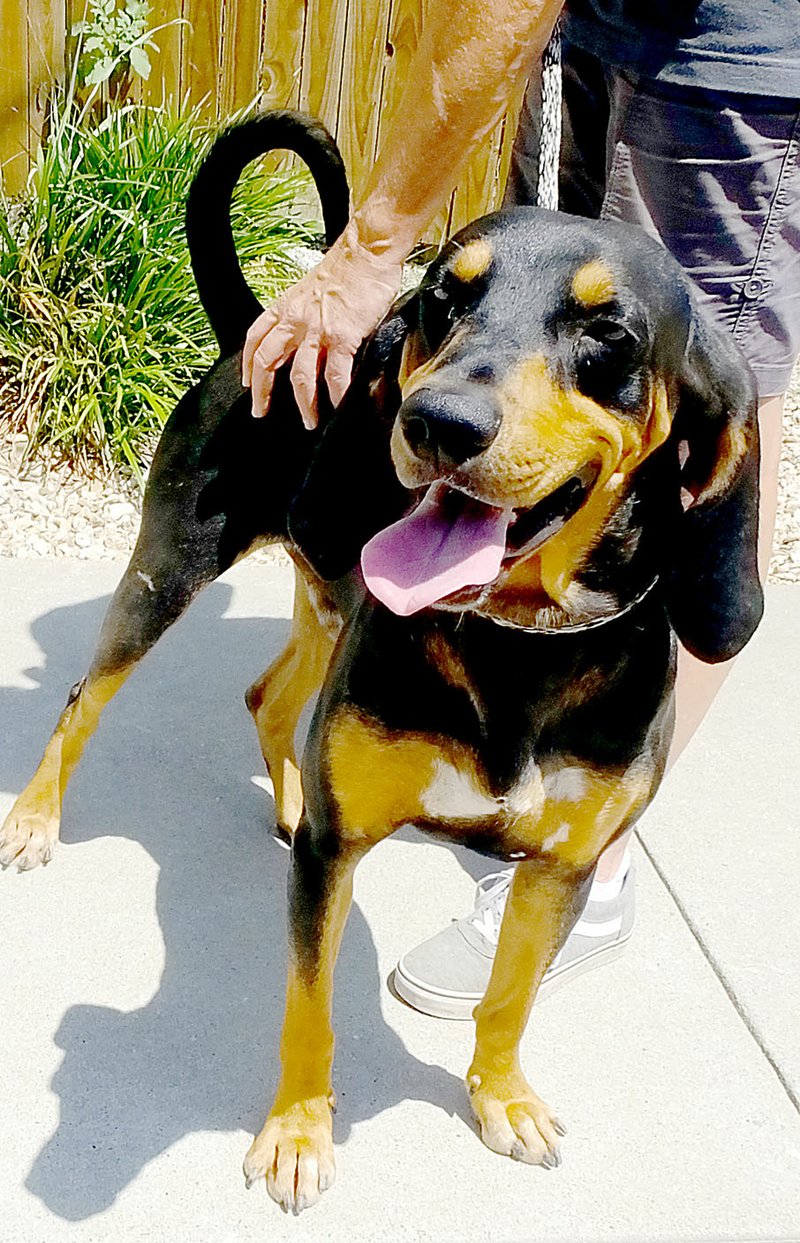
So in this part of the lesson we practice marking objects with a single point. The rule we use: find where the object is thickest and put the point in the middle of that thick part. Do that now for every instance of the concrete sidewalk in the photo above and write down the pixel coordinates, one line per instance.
(142, 975)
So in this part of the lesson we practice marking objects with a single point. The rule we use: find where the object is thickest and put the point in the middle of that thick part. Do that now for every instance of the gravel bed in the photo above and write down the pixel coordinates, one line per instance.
(47, 511)
(785, 564)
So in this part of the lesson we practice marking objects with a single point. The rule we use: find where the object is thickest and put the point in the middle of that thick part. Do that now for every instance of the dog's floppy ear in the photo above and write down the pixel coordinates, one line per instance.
(714, 596)
(351, 490)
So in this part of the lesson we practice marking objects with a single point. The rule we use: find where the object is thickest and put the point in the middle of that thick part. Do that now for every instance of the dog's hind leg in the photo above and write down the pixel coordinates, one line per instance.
(145, 603)
(278, 697)
(205, 505)
(31, 829)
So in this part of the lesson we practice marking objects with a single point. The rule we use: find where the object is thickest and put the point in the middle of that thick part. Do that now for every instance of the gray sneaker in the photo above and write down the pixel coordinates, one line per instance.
(446, 976)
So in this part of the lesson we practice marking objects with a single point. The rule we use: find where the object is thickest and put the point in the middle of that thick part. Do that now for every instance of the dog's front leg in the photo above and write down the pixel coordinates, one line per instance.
(294, 1150)
(277, 699)
(542, 905)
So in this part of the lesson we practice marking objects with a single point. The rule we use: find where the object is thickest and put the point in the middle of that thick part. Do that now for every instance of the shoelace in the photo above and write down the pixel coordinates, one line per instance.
(490, 902)
(491, 893)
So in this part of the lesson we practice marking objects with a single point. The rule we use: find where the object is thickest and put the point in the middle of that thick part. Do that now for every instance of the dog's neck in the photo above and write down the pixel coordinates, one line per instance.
(552, 620)
(622, 569)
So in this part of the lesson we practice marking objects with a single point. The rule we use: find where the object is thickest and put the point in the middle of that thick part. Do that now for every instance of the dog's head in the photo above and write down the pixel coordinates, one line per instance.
(541, 386)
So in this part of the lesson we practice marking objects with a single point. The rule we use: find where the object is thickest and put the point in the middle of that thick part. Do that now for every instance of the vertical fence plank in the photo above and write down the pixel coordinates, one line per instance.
(241, 49)
(201, 53)
(74, 11)
(365, 60)
(511, 120)
(405, 28)
(283, 34)
(45, 60)
(33, 60)
(14, 139)
(323, 52)
(165, 77)
(282, 52)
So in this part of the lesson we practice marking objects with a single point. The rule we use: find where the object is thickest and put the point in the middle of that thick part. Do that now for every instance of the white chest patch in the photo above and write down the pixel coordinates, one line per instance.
(566, 785)
(526, 798)
(453, 795)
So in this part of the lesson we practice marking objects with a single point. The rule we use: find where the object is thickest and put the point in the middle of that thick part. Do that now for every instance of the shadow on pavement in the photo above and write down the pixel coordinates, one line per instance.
(170, 768)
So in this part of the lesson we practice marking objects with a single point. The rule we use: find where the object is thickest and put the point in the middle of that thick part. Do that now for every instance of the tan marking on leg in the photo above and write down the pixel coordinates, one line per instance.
(376, 780)
(279, 696)
(514, 1121)
(593, 284)
(540, 909)
(294, 1150)
(473, 260)
(30, 831)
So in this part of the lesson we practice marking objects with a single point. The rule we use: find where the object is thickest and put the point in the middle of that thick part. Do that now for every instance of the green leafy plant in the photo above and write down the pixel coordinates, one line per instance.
(101, 329)
(115, 39)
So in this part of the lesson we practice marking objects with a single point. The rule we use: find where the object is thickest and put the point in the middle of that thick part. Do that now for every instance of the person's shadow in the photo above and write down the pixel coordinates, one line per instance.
(171, 768)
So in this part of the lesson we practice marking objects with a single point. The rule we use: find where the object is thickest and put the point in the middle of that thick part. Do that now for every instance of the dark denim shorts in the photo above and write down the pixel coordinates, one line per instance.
(714, 176)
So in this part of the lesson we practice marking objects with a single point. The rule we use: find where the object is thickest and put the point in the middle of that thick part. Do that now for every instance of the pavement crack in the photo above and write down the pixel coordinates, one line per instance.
(719, 972)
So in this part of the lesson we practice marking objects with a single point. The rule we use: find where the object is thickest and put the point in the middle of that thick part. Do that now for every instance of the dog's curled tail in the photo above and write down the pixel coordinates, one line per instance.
(227, 299)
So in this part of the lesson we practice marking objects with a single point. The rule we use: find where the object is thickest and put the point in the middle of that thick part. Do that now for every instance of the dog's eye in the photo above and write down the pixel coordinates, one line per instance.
(608, 363)
(608, 332)
(448, 306)
(443, 306)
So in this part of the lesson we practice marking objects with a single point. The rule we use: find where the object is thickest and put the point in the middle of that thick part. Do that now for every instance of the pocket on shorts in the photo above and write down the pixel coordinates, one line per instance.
(715, 178)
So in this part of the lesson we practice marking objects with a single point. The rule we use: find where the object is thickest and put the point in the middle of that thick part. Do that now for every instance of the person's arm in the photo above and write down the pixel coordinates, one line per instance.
(472, 56)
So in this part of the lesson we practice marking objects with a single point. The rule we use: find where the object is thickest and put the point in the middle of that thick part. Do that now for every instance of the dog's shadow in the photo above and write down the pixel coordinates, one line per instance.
(171, 768)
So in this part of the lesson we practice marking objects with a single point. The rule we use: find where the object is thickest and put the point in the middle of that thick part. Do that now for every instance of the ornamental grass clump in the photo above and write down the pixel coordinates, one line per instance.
(101, 329)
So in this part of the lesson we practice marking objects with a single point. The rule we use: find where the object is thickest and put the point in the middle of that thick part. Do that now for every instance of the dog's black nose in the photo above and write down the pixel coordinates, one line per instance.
(457, 426)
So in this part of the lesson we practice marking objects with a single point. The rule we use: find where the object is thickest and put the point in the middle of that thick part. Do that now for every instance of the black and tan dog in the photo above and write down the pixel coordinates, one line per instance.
(510, 458)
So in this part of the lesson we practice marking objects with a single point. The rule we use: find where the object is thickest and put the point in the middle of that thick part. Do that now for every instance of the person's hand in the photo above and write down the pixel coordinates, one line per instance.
(322, 320)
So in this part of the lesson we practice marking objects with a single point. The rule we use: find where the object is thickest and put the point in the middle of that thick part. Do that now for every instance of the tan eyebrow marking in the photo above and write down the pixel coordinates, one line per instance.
(473, 261)
(593, 284)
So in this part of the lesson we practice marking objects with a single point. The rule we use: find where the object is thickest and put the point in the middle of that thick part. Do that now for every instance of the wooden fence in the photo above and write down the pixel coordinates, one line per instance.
(342, 60)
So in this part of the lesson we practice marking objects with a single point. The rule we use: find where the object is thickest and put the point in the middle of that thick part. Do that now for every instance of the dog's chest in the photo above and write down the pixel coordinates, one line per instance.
(380, 778)
(537, 813)
(477, 746)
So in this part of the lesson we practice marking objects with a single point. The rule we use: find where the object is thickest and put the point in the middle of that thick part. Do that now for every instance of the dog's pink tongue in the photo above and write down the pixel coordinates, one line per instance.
(449, 542)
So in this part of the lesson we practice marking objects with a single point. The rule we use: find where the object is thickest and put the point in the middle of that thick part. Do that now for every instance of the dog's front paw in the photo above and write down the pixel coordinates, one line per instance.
(514, 1121)
(294, 1152)
(27, 838)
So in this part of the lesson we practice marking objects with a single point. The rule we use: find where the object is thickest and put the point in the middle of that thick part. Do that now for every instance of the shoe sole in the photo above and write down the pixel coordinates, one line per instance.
(461, 1007)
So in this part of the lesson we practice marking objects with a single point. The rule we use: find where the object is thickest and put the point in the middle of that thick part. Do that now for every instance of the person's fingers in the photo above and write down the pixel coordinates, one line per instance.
(275, 349)
(255, 335)
(338, 373)
(261, 388)
(304, 374)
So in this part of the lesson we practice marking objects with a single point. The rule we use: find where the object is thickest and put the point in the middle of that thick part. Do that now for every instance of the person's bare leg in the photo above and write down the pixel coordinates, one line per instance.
(697, 684)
